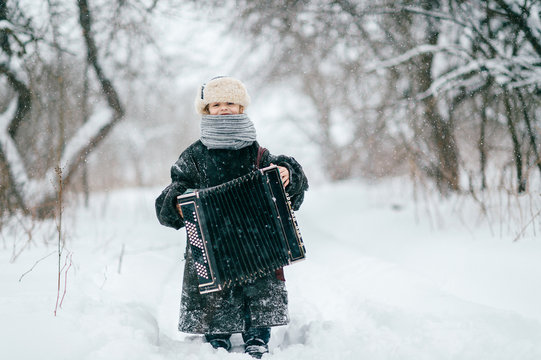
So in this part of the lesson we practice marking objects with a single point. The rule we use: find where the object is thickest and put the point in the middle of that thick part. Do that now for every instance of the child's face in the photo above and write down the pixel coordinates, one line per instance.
(224, 108)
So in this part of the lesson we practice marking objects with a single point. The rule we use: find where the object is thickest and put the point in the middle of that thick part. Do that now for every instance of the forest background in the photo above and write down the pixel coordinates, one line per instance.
(97, 95)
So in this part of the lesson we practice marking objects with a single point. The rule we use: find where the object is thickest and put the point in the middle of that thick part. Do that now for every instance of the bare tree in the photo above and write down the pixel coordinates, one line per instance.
(32, 195)
(431, 68)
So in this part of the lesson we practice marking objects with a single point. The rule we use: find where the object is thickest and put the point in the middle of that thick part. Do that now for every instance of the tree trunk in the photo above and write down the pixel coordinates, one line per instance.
(442, 132)
(482, 146)
(531, 133)
(517, 154)
(85, 113)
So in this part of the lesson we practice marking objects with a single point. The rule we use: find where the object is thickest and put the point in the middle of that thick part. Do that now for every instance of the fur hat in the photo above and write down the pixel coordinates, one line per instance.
(221, 89)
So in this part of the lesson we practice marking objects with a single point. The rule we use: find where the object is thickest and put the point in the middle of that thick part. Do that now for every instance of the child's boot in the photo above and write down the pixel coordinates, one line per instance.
(256, 341)
(256, 348)
(219, 341)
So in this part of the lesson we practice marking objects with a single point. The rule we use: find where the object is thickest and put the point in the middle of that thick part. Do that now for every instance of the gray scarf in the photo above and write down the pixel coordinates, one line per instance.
(230, 132)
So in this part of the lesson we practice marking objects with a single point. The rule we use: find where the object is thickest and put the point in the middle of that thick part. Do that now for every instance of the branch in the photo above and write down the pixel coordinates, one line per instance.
(78, 149)
(24, 103)
(415, 52)
(9, 155)
(517, 19)
(35, 264)
(497, 68)
(351, 9)
(517, 237)
(108, 89)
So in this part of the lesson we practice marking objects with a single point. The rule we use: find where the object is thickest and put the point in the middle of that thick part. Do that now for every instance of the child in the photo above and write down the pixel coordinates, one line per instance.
(226, 150)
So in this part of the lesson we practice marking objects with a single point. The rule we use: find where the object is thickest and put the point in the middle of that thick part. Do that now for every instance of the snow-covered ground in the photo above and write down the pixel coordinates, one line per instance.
(386, 278)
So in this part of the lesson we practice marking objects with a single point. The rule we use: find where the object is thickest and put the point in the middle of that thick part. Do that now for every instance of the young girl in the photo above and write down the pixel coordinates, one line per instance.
(226, 150)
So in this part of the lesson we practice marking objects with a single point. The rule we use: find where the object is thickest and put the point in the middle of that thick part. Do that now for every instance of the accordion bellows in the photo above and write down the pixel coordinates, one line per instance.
(241, 230)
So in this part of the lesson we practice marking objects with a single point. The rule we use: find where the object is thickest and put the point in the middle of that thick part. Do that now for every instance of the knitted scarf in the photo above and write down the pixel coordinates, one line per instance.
(231, 132)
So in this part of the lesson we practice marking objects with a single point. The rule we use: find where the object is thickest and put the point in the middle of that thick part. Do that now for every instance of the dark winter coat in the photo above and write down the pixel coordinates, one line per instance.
(263, 302)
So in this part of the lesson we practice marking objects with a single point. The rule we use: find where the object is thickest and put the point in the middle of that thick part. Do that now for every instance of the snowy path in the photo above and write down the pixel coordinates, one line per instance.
(377, 284)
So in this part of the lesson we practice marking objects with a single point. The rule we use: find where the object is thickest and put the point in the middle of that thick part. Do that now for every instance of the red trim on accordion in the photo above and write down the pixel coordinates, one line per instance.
(280, 274)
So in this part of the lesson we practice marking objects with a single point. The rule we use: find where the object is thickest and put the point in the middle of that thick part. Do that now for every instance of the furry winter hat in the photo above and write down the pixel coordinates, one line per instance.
(221, 89)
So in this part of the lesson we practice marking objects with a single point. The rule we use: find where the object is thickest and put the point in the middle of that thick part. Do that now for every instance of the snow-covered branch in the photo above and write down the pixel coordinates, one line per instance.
(416, 52)
(499, 70)
(8, 148)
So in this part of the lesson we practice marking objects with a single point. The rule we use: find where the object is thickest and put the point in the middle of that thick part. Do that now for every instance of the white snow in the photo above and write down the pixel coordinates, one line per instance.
(385, 278)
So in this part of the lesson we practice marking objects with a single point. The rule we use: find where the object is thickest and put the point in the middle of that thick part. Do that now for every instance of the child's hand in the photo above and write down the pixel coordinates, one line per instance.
(284, 175)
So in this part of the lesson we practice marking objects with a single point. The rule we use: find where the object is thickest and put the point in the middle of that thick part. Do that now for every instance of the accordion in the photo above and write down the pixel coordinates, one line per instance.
(241, 230)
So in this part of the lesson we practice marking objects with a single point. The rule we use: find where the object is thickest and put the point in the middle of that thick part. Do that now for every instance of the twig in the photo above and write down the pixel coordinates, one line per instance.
(526, 226)
(66, 278)
(59, 281)
(121, 257)
(35, 264)
(59, 229)
(28, 230)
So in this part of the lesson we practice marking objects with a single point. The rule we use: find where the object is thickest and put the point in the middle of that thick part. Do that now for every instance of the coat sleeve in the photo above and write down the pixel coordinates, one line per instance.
(184, 175)
(298, 183)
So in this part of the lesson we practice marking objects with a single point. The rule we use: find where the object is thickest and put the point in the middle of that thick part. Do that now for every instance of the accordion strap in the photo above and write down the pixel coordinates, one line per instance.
(260, 151)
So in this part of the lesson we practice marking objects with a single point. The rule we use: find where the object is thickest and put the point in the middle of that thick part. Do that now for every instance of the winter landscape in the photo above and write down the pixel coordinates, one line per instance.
(417, 125)
(385, 278)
